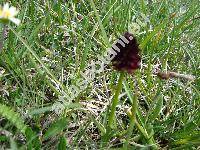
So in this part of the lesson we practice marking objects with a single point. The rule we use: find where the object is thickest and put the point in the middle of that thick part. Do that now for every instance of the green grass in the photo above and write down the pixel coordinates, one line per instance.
(45, 54)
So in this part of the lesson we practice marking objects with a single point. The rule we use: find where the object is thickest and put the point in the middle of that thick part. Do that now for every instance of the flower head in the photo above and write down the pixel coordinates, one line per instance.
(128, 58)
(8, 14)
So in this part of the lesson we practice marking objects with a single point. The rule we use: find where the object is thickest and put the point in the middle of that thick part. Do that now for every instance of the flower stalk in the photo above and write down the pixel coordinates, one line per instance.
(115, 100)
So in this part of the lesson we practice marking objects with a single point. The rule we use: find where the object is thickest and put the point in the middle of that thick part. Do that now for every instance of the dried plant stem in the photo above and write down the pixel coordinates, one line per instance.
(171, 74)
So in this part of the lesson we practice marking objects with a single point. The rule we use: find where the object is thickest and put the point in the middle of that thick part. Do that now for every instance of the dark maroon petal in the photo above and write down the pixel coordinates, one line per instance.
(128, 59)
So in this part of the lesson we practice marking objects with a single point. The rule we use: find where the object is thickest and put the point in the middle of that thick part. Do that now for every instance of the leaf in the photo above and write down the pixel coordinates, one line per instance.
(39, 110)
(155, 112)
(192, 140)
(33, 141)
(3, 138)
(13, 144)
(62, 143)
(132, 98)
(57, 127)
(13, 117)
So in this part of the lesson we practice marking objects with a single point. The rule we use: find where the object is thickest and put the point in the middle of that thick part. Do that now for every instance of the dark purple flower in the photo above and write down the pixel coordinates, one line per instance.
(128, 58)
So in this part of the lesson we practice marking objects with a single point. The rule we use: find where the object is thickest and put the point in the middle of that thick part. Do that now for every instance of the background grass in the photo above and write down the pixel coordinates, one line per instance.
(58, 39)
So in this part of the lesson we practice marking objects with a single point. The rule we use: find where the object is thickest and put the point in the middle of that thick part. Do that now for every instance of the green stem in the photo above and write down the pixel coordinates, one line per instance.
(2, 38)
(115, 101)
(105, 37)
